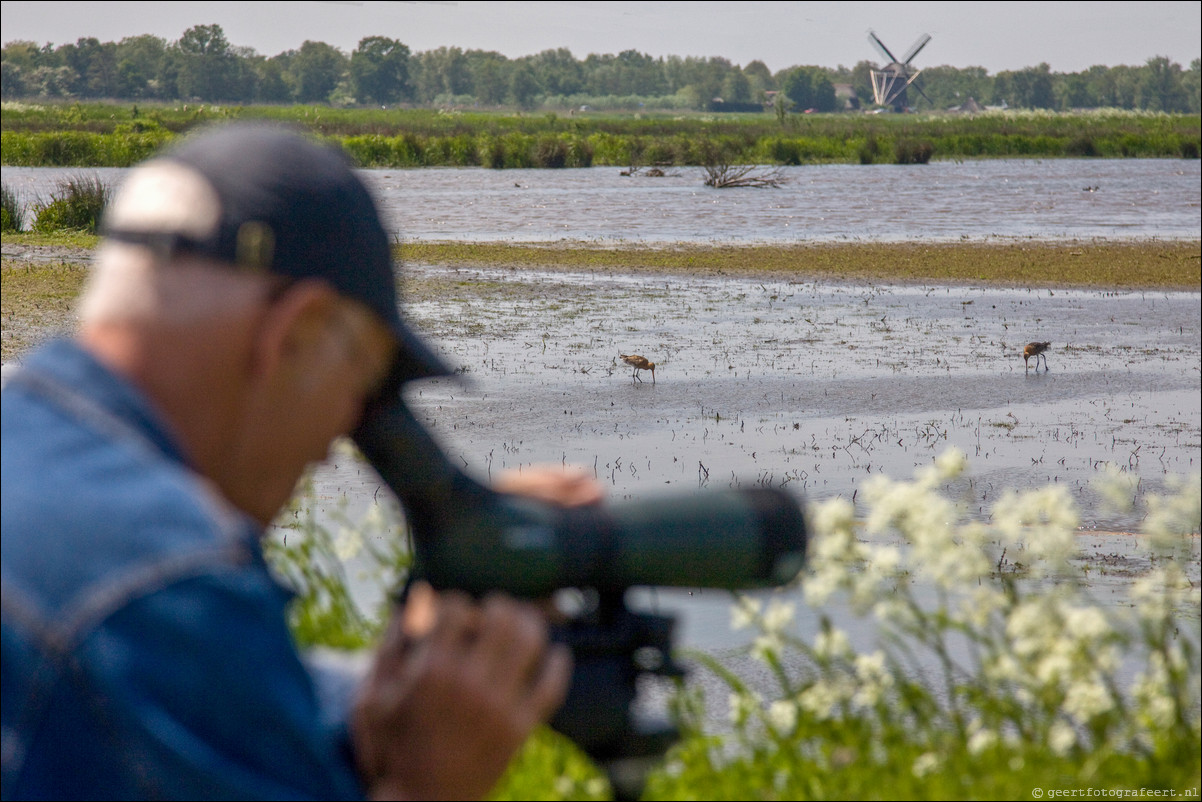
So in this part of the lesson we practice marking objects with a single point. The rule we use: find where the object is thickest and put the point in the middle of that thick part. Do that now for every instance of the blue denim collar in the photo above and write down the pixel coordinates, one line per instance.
(68, 364)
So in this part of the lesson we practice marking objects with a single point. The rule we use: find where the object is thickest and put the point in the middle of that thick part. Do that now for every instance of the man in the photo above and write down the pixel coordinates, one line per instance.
(241, 315)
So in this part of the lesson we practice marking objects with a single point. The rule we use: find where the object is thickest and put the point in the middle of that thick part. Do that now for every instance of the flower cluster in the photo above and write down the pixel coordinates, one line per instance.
(986, 633)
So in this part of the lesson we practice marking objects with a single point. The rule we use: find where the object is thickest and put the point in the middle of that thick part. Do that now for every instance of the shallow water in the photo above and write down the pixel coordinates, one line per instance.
(816, 387)
(948, 201)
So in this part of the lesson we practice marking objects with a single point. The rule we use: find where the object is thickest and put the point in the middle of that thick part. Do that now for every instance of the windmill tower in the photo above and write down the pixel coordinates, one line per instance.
(889, 83)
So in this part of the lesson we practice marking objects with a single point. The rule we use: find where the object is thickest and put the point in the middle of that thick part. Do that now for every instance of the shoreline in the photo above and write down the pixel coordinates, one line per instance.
(1054, 264)
(1137, 264)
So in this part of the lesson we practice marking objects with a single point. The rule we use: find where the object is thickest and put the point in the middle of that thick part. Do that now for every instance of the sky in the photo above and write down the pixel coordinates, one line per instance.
(1068, 36)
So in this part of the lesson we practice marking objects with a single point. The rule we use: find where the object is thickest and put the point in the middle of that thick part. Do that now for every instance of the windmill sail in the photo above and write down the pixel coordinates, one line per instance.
(889, 83)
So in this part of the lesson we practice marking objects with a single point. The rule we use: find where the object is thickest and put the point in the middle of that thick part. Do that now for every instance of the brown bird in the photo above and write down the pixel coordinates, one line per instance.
(639, 363)
(1035, 350)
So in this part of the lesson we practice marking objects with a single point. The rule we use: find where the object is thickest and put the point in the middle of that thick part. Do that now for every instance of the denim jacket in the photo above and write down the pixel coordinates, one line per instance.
(145, 648)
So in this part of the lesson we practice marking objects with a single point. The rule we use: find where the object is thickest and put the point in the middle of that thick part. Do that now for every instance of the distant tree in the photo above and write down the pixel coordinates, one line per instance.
(139, 66)
(809, 88)
(705, 76)
(206, 67)
(1029, 88)
(1161, 88)
(52, 82)
(379, 70)
(272, 79)
(317, 68)
(490, 76)
(94, 65)
(12, 80)
(759, 79)
(636, 73)
(736, 88)
(1072, 92)
(1126, 86)
(245, 88)
(443, 71)
(22, 53)
(523, 88)
(1191, 82)
(558, 72)
(824, 93)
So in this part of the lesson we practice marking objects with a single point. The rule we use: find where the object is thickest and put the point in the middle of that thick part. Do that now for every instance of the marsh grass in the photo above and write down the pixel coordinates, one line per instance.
(77, 204)
(1163, 265)
(12, 213)
(121, 135)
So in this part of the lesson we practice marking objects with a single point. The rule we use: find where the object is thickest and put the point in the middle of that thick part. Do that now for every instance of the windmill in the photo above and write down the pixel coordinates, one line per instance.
(889, 83)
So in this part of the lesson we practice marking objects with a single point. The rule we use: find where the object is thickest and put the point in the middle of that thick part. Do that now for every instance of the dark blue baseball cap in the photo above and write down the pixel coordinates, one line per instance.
(269, 199)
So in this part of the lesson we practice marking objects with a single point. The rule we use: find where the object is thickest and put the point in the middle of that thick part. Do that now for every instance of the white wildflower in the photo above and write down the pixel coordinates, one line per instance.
(1061, 737)
(874, 678)
(1086, 623)
(835, 515)
(374, 520)
(981, 605)
(744, 612)
(1087, 699)
(742, 706)
(951, 463)
(1173, 519)
(981, 740)
(782, 715)
(778, 616)
(832, 644)
(1117, 488)
(822, 583)
(1152, 697)
(924, 764)
(1045, 519)
(767, 647)
(821, 698)
(348, 544)
(1054, 666)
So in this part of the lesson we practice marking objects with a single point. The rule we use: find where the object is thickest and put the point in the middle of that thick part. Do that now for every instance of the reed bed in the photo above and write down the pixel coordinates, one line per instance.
(119, 136)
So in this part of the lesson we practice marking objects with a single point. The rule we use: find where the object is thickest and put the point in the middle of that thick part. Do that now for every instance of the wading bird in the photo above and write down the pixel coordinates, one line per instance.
(639, 363)
(1035, 350)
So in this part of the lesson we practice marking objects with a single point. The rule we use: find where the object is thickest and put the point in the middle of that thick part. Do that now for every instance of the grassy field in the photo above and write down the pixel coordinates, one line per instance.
(1096, 265)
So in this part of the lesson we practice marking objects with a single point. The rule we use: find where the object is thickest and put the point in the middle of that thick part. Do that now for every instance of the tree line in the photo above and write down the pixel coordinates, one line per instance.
(202, 66)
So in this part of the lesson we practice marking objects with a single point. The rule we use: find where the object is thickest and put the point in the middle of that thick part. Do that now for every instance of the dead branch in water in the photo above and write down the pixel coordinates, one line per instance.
(722, 176)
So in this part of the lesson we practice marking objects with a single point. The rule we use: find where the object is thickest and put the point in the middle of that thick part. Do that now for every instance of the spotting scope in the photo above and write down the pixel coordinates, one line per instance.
(469, 537)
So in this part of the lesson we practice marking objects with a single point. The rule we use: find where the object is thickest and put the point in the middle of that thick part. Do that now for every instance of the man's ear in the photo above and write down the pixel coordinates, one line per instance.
(294, 334)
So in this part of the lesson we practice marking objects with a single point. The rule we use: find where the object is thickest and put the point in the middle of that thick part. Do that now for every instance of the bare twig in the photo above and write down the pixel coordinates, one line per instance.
(721, 176)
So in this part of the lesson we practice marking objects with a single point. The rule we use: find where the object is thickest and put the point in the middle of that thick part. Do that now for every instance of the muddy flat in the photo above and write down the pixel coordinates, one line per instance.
(811, 385)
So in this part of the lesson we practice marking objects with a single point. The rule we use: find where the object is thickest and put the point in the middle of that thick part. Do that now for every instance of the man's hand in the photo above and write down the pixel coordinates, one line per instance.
(456, 689)
(552, 485)
(458, 686)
